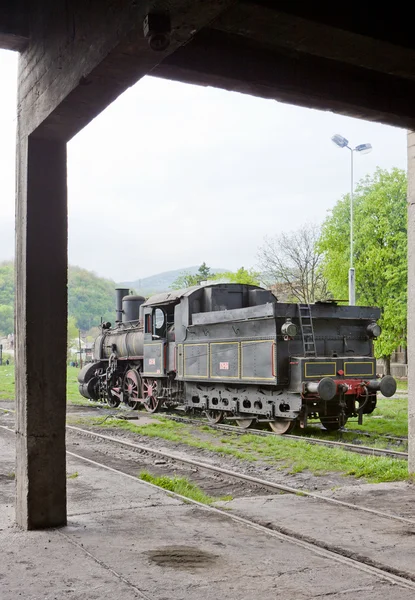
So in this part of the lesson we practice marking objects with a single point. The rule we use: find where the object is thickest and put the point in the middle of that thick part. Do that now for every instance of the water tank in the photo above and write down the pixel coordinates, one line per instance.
(131, 308)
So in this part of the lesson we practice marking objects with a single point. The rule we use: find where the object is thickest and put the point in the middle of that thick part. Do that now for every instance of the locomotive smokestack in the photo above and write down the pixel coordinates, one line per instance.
(119, 295)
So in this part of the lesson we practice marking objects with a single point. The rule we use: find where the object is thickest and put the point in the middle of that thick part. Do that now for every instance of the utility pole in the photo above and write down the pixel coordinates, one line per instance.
(80, 349)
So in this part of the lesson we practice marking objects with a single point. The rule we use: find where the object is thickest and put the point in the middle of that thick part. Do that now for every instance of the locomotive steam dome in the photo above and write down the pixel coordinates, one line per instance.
(131, 308)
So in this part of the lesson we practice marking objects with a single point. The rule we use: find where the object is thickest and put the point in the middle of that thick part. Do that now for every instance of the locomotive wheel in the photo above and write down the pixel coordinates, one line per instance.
(132, 388)
(114, 391)
(281, 426)
(214, 416)
(151, 400)
(245, 423)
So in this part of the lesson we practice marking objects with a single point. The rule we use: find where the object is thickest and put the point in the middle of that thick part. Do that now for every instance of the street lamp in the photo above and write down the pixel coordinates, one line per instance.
(341, 142)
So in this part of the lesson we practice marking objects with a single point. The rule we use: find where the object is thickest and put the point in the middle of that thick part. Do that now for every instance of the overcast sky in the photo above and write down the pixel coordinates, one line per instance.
(171, 175)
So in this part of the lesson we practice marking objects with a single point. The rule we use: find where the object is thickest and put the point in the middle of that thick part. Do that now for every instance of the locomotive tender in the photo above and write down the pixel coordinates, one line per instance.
(233, 351)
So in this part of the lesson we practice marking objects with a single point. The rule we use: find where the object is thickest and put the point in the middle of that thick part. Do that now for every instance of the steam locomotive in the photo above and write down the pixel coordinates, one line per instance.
(234, 352)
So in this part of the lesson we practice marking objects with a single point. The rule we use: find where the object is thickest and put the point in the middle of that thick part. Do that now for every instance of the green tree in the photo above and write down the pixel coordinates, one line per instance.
(72, 335)
(187, 279)
(242, 275)
(6, 298)
(6, 319)
(89, 298)
(380, 246)
(73, 330)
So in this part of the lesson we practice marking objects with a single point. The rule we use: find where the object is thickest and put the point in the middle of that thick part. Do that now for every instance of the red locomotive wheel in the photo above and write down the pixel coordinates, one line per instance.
(132, 388)
(151, 398)
(114, 392)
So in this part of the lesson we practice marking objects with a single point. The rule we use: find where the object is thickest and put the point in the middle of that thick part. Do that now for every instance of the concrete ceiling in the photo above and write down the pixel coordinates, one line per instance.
(350, 59)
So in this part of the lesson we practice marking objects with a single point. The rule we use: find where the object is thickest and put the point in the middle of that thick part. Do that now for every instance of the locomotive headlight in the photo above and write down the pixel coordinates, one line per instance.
(373, 330)
(289, 329)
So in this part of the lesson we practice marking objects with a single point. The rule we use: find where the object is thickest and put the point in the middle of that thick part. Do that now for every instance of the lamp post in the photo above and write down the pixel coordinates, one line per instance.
(341, 142)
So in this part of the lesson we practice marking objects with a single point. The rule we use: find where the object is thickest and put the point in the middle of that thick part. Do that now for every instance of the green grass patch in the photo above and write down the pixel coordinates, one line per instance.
(7, 382)
(376, 440)
(285, 454)
(402, 384)
(390, 417)
(7, 386)
(299, 456)
(72, 475)
(182, 486)
(172, 431)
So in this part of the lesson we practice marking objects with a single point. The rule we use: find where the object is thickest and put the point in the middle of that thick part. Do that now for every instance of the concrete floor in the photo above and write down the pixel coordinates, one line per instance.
(127, 540)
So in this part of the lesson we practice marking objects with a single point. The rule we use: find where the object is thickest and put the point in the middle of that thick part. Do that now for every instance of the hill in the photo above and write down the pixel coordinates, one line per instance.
(162, 281)
(89, 297)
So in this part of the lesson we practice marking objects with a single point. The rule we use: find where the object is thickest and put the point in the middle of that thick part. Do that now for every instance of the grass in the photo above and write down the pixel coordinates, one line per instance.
(402, 384)
(182, 486)
(390, 417)
(172, 431)
(299, 456)
(7, 386)
(72, 475)
(292, 456)
(7, 382)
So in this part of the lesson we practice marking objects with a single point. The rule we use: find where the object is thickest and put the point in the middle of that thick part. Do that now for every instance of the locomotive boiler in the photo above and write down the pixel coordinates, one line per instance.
(234, 352)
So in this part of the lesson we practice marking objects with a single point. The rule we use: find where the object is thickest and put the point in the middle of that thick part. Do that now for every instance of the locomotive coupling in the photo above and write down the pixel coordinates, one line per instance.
(386, 385)
(326, 388)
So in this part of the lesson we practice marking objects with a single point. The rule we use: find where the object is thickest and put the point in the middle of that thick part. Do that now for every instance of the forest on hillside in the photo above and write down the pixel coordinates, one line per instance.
(89, 298)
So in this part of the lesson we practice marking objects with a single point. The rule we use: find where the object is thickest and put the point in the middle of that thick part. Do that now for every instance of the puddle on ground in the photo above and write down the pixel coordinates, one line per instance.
(182, 557)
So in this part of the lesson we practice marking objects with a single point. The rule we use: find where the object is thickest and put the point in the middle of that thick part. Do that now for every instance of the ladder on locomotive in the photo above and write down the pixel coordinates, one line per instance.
(307, 330)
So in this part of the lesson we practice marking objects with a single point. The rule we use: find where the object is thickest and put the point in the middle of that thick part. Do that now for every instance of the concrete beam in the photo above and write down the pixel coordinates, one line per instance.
(14, 25)
(411, 300)
(393, 26)
(96, 52)
(41, 323)
(230, 62)
(271, 28)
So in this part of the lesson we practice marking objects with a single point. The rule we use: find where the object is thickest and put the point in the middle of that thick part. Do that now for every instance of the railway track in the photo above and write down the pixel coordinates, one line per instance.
(368, 450)
(359, 449)
(339, 555)
(269, 485)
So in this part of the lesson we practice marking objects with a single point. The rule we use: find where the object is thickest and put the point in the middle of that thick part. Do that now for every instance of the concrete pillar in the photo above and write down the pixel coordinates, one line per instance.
(411, 300)
(41, 318)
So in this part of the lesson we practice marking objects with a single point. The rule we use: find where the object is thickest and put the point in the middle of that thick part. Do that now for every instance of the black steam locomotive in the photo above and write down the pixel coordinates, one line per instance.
(233, 351)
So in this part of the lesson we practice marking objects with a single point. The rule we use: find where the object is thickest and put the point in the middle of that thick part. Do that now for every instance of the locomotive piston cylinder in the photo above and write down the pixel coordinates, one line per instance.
(386, 385)
(326, 388)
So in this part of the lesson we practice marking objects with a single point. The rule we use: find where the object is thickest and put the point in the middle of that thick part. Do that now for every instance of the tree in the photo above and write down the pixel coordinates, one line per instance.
(186, 279)
(6, 298)
(72, 334)
(242, 275)
(6, 319)
(380, 246)
(291, 262)
(89, 298)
